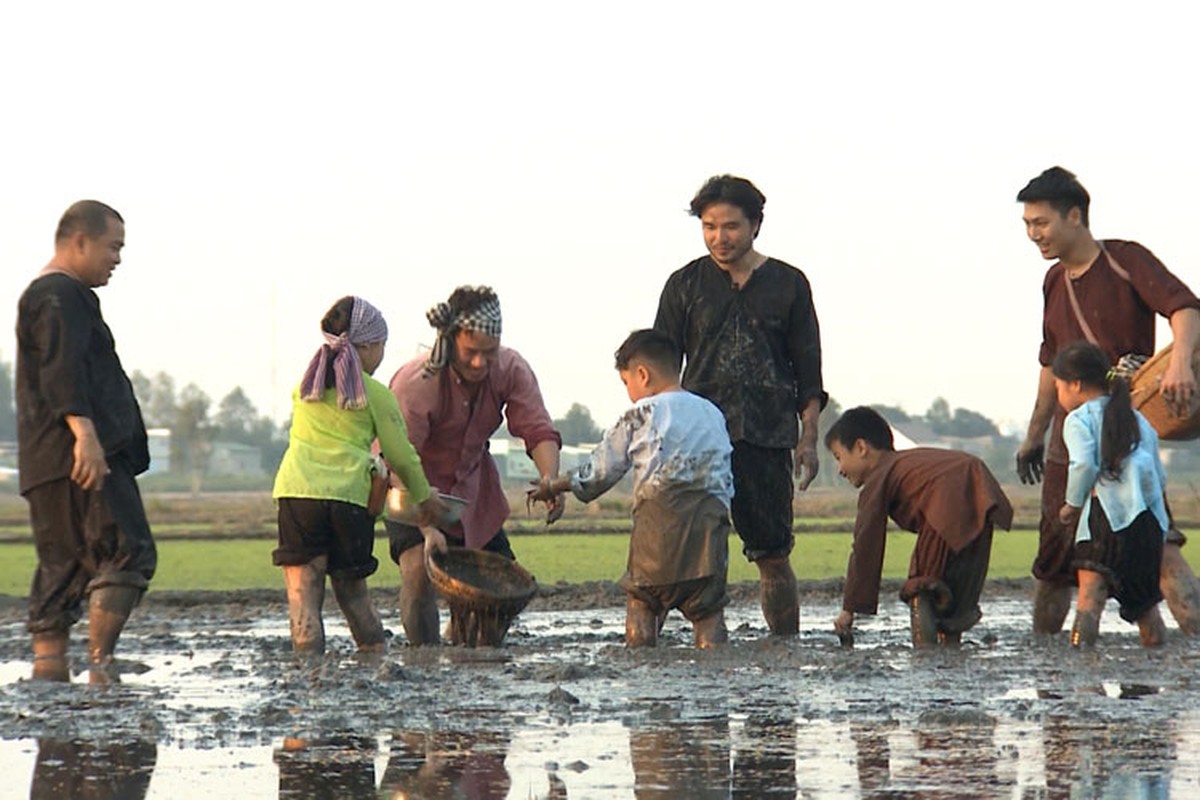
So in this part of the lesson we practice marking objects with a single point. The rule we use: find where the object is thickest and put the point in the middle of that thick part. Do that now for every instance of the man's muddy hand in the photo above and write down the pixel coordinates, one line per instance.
(1179, 388)
(1031, 463)
(807, 465)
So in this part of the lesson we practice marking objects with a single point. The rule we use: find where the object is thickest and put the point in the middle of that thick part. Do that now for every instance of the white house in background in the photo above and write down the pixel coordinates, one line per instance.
(225, 458)
(515, 464)
(160, 450)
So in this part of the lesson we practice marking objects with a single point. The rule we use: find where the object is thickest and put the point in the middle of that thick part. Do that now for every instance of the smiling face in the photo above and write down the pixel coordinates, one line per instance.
(854, 462)
(728, 233)
(474, 353)
(1053, 233)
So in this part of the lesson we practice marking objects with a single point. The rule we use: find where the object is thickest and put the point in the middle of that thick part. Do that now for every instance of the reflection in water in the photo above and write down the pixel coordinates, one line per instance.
(692, 758)
(681, 759)
(958, 746)
(954, 750)
(425, 764)
(764, 761)
(92, 771)
(1093, 756)
(328, 768)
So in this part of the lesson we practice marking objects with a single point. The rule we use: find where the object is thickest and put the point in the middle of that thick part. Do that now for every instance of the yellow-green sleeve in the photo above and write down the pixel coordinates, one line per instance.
(397, 450)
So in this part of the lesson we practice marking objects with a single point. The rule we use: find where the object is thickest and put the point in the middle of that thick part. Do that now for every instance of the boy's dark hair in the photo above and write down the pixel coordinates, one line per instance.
(1061, 189)
(653, 347)
(89, 216)
(863, 423)
(1119, 433)
(733, 190)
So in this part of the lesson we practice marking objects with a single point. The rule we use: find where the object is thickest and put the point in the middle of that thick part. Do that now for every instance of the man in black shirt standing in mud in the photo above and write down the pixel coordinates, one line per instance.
(749, 333)
(81, 441)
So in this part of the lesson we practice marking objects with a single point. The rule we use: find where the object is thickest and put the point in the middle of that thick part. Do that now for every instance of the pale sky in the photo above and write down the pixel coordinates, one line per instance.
(269, 158)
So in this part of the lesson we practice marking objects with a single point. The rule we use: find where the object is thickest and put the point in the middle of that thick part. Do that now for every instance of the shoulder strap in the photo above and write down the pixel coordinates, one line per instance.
(1112, 262)
(1116, 267)
(1087, 329)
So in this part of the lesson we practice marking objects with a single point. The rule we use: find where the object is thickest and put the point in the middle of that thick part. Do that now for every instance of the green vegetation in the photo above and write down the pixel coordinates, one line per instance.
(188, 564)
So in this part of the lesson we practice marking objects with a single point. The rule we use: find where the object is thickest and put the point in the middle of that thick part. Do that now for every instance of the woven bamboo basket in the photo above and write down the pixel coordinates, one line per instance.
(485, 593)
(1147, 399)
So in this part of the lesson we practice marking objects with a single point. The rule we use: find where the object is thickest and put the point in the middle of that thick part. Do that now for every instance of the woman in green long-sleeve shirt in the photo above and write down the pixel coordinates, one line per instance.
(324, 481)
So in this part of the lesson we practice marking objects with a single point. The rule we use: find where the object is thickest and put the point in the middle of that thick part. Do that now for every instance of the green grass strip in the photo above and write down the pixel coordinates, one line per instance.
(246, 563)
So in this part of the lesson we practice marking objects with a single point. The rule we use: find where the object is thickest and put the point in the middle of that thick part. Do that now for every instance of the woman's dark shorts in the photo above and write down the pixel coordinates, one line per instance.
(344, 532)
(1130, 559)
(762, 500)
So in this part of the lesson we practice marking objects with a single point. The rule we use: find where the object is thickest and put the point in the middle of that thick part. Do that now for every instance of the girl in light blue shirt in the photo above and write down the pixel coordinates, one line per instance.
(1115, 495)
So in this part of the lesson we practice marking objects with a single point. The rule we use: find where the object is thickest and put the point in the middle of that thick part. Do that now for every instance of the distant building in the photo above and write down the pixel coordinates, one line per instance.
(160, 450)
(515, 464)
(224, 458)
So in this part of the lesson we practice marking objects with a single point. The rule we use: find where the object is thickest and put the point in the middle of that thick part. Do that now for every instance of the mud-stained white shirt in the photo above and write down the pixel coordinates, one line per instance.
(673, 441)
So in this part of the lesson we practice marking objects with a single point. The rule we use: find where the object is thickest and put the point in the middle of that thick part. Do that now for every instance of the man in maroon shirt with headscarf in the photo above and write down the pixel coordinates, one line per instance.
(1107, 292)
(453, 401)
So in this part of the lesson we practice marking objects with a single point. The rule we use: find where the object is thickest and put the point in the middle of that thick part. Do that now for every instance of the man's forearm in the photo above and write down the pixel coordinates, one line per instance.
(810, 422)
(545, 458)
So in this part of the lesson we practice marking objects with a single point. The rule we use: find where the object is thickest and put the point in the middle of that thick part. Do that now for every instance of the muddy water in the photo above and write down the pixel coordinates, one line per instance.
(213, 704)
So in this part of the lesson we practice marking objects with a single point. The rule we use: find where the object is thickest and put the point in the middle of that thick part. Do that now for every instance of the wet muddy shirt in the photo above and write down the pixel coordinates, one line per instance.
(67, 365)
(937, 494)
(450, 426)
(1121, 313)
(754, 351)
(329, 455)
(676, 445)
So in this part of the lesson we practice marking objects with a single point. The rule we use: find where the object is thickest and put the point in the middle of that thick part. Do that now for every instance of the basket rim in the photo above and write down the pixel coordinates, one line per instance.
(462, 590)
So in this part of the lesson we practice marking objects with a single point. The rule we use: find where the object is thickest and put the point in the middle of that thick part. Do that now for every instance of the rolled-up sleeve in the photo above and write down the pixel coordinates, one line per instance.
(524, 408)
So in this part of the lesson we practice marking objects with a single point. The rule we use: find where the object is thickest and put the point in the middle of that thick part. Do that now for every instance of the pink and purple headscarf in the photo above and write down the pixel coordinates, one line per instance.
(367, 326)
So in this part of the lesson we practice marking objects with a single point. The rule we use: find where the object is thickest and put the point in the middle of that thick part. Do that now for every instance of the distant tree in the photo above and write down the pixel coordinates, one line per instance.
(827, 468)
(237, 418)
(191, 435)
(8, 414)
(939, 417)
(143, 391)
(578, 427)
(157, 399)
(893, 414)
(967, 423)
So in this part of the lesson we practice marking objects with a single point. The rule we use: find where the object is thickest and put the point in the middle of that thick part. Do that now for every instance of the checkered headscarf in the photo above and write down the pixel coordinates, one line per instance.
(367, 326)
(485, 319)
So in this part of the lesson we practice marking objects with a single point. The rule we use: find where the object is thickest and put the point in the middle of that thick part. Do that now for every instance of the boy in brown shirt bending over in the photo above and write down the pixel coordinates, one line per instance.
(947, 497)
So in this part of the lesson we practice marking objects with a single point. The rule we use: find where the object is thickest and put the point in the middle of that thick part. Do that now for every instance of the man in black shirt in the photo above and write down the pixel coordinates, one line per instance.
(81, 441)
(749, 332)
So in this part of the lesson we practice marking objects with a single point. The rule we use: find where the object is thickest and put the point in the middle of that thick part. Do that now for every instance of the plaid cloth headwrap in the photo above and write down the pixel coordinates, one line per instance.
(484, 319)
(367, 326)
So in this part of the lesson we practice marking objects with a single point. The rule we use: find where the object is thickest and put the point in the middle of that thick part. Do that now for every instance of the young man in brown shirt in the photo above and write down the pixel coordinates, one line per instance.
(1107, 292)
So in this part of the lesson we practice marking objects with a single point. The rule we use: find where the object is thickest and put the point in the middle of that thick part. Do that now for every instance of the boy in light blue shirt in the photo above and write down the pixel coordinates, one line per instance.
(677, 445)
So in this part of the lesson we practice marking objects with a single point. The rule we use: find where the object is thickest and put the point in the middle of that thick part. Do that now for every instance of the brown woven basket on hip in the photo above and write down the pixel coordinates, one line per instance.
(1147, 399)
(485, 593)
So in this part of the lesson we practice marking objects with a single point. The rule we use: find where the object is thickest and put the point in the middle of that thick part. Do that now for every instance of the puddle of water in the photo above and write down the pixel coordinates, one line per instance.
(565, 711)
